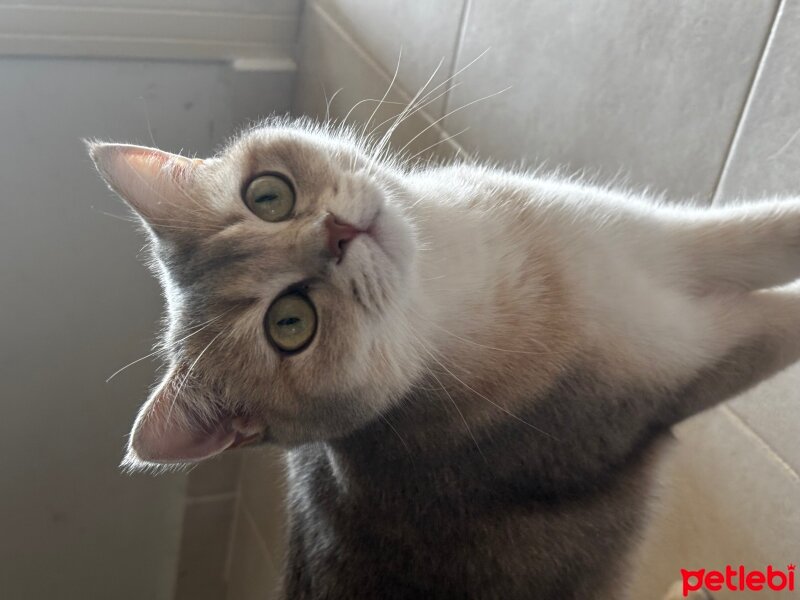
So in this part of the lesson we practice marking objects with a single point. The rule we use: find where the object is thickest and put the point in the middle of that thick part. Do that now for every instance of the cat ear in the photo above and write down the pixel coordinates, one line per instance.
(163, 433)
(151, 181)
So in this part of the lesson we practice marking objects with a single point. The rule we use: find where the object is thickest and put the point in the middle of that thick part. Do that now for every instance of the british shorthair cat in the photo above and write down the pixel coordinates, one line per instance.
(471, 370)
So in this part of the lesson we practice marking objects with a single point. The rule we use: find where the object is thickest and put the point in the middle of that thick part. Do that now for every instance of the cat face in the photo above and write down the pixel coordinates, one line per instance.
(288, 267)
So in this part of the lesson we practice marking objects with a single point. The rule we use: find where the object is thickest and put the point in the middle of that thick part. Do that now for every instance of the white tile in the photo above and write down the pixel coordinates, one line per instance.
(765, 161)
(329, 60)
(649, 90)
(766, 156)
(723, 501)
(426, 33)
(772, 410)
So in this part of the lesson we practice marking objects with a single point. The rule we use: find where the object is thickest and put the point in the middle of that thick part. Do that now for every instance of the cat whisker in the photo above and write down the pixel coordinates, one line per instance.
(385, 94)
(147, 121)
(401, 117)
(546, 351)
(426, 149)
(387, 136)
(432, 354)
(202, 326)
(455, 110)
(386, 420)
(364, 101)
(328, 101)
(418, 108)
(189, 372)
(119, 217)
(460, 414)
(159, 222)
(492, 402)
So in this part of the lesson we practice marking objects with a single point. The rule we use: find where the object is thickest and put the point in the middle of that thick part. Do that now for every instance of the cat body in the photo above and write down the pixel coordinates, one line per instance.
(491, 365)
(448, 497)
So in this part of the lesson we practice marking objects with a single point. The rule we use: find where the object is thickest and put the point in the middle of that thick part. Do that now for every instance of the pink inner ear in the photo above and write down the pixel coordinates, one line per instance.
(149, 180)
(161, 437)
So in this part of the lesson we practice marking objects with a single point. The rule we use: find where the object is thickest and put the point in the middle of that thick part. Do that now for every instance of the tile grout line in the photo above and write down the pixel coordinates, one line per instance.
(261, 541)
(745, 111)
(348, 39)
(457, 47)
(339, 30)
(751, 433)
(237, 506)
(206, 498)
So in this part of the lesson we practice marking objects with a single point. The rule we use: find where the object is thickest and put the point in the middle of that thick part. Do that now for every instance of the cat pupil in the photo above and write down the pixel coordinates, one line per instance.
(266, 197)
(288, 321)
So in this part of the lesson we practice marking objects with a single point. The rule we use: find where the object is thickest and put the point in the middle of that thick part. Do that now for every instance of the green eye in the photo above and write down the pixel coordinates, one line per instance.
(291, 322)
(270, 198)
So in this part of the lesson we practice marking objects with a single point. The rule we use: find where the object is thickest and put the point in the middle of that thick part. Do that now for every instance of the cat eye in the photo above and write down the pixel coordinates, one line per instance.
(270, 198)
(291, 322)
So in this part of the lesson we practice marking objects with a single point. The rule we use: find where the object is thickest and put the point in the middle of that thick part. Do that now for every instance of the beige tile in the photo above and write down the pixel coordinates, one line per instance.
(204, 549)
(262, 493)
(765, 158)
(329, 61)
(426, 34)
(650, 90)
(723, 501)
(253, 576)
(772, 410)
(219, 475)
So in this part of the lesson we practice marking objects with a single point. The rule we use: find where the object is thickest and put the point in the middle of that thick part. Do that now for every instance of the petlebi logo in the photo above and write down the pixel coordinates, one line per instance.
(739, 579)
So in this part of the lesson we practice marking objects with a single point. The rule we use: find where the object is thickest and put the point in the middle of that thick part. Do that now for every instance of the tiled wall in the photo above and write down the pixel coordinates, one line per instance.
(233, 528)
(693, 99)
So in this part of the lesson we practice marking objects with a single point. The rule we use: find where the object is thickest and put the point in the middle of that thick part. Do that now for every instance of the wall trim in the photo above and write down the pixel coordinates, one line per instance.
(150, 33)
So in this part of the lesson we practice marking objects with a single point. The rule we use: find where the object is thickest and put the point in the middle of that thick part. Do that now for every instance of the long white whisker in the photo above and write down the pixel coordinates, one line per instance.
(455, 110)
(493, 403)
(189, 372)
(461, 414)
(385, 94)
(387, 136)
(202, 326)
(442, 141)
(445, 82)
(328, 101)
(419, 107)
(432, 354)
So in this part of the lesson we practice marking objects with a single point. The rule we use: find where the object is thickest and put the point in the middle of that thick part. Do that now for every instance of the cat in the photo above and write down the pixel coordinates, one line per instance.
(473, 371)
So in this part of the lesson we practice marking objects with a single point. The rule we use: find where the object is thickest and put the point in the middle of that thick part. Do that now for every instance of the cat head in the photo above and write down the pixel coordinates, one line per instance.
(288, 267)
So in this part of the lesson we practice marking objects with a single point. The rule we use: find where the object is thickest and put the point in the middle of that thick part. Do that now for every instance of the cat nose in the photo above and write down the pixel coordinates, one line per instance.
(339, 235)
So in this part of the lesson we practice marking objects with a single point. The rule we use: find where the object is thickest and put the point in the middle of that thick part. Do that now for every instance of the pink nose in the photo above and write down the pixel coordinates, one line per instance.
(339, 235)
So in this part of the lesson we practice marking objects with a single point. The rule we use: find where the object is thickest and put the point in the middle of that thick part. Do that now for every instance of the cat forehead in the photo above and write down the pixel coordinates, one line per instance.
(311, 159)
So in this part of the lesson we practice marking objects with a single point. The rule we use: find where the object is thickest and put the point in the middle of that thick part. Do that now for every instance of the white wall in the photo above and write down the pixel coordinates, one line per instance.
(168, 29)
(76, 304)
